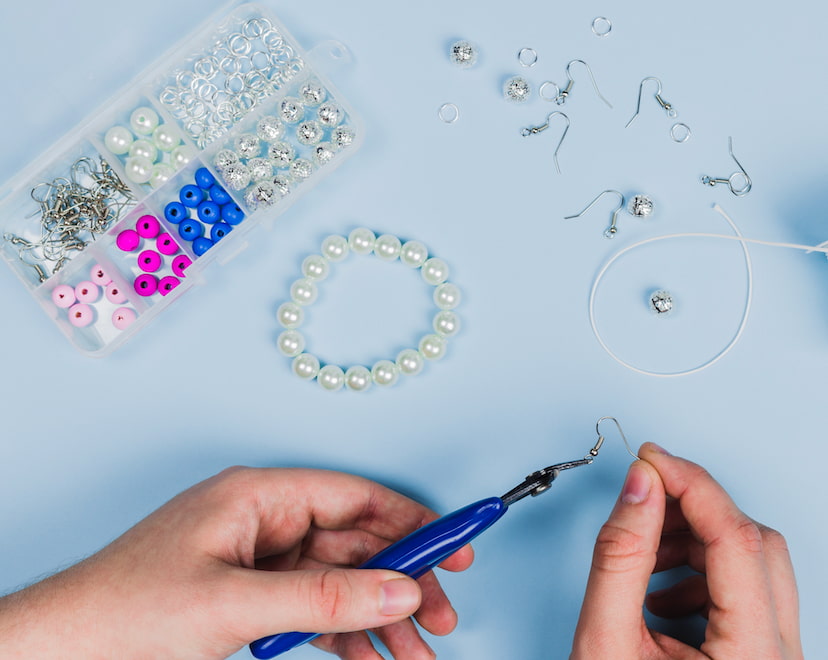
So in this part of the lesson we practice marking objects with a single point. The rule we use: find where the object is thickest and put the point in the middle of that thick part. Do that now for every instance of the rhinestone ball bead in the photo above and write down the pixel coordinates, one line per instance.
(270, 129)
(463, 53)
(661, 302)
(641, 206)
(517, 89)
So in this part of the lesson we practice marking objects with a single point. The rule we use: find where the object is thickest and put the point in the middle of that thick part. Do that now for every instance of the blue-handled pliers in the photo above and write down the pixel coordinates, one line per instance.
(425, 548)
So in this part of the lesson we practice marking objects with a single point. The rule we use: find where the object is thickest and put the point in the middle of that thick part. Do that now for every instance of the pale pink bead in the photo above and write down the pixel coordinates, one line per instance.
(81, 315)
(63, 296)
(123, 317)
(87, 292)
(99, 276)
(114, 294)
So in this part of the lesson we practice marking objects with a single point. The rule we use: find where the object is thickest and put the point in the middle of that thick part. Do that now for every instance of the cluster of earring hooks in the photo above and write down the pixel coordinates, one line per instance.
(243, 67)
(73, 211)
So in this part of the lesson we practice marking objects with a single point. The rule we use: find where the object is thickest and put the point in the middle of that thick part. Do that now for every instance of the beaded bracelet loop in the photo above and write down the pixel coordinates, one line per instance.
(386, 372)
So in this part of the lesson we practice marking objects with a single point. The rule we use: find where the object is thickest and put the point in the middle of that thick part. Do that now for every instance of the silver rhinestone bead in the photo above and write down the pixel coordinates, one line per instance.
(247, 145)
(342, 136)
(301, 169)
(661, 302)
(641, 206)
(225, 158)
(463, 53)
(237, 176)
(323, 153)
(281, 154)
(291, 110)
(309, 132)
(517, 89)
(270, 129)
(281, 184)
(312, 93)
(260, 169)
(330, 114)
(263, 194)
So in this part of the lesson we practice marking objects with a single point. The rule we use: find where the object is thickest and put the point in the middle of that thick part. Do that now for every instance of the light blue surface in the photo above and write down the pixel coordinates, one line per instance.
(91, 446)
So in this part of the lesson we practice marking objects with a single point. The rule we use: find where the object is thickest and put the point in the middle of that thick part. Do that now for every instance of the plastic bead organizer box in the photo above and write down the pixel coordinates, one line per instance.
(117, 220)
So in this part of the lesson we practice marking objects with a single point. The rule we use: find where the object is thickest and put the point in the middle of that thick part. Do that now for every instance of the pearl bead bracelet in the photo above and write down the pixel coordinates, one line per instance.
(409, 361)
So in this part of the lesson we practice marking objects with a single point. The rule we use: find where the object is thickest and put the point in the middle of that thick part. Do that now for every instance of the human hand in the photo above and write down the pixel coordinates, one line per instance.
(672, 513)
(182, 584)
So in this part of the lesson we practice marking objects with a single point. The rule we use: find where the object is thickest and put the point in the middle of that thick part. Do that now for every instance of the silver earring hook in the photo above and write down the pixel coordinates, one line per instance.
(738, 191)
(534, 130)
(560, 99)
(668, 108)
(610, 231)
(594, 450)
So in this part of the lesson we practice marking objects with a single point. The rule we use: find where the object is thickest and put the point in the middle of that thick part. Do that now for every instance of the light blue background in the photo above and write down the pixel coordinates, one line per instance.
(91, 446)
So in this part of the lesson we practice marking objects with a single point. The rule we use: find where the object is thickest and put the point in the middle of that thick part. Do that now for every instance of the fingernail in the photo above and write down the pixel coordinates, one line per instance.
(660, 449)
(399, 597)
(637, 486)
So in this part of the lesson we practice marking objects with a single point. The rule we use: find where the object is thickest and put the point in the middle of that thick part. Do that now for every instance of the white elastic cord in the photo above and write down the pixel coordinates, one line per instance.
(823, 247)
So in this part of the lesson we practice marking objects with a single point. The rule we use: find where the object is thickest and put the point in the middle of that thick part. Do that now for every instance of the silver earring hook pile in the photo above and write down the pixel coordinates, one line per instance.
(562, 95)
(534, 130)
(668, 108)
(610, 231)
(73, 211)
(738, 191)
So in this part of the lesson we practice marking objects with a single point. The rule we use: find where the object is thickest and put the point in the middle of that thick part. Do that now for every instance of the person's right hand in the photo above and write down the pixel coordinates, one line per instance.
(672, 513)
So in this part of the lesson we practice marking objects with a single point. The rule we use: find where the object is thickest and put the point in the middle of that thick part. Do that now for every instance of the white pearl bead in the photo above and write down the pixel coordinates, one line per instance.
(387, 247)
(316, 268)
(306, 366)
(166, 138)
(143, 120)
(435, 271)
(138, 169)
(291, 343)
(335, 248)
(144, 148)
(161, 173)
(446, 323)
(413, 254)
(385, 372)
(303, 292)
(182, 155)
(331, 378)
(362, 240)
(433, 347)
(118, 140)
(290, 315)
(358, 378)
(447, 296)
(410, 362)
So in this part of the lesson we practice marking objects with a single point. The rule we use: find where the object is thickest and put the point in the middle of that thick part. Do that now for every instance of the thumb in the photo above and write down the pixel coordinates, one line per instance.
(323, 601)
(623, 560)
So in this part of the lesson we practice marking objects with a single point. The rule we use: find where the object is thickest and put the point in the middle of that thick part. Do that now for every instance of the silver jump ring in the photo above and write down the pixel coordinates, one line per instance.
(448, 113)
(527, 57)
(601, 26)
(545, 86)
(680, 132)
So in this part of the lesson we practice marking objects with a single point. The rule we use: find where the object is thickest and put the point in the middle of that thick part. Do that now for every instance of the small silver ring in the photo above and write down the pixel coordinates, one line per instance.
(545, 85)
(601, 26)
(527, 57)
(448, 113)
(680, 132)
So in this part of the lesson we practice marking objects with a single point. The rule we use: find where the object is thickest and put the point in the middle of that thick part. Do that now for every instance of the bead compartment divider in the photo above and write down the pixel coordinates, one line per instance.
(89, 140)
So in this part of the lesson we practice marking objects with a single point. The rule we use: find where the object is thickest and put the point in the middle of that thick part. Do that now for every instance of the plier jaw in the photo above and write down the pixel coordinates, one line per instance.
(540, 481)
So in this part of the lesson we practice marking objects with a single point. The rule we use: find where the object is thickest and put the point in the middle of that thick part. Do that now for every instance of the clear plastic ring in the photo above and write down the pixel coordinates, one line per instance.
(527, 57)
(448, 113)
(601, 26)
(680, 132)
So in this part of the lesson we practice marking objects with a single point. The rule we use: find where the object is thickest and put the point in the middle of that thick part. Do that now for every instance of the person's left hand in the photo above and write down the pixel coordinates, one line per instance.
(183, 582)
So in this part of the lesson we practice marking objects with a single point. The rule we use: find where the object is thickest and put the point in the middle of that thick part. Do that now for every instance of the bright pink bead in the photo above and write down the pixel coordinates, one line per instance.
(180, 264)
(114, 294)
(63, 296)
(81, 315)
(128, 240)
(123, 317)
(148, 226)
(87, 292)
(146, 285)
(167, 284)
(99, 276)
(166, 244)
(149, 261)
